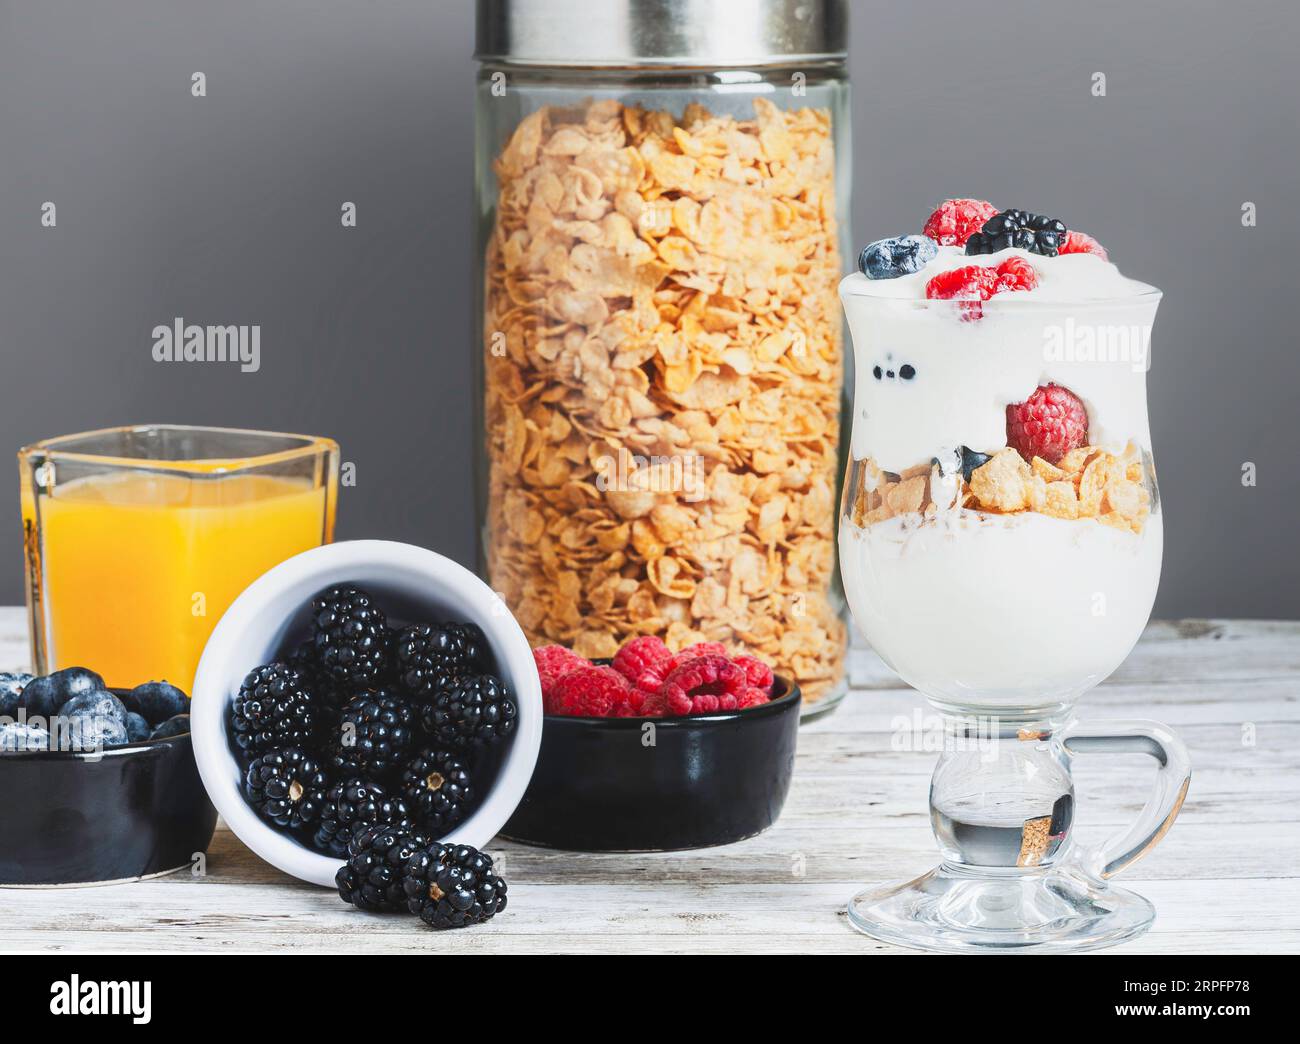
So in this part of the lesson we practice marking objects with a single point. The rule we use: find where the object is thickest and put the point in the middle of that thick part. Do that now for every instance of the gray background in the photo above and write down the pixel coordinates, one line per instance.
(225, 209)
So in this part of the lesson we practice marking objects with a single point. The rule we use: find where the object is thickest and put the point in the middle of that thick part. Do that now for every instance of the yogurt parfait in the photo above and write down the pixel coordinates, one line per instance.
(1000, 533)
(1000, 540)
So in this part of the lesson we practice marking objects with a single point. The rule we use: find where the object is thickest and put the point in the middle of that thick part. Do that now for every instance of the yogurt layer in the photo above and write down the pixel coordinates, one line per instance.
(1000, 612)
(1085, 326)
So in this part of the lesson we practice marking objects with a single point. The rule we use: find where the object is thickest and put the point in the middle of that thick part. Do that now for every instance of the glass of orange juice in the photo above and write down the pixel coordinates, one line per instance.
(137, 539)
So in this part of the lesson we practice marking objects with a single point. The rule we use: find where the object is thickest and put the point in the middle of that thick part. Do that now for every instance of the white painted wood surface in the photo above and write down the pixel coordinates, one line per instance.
(1225, 880)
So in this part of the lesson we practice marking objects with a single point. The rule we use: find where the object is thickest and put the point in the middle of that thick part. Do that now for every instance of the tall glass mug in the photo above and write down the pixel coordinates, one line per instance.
(1003, 589)
(138, 539)
(662, 187)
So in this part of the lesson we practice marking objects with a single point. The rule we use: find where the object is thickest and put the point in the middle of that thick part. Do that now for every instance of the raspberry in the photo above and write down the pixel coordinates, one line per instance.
(757, 673)
(1082, 243)
(588, 692)
(957, 219)
(653, 706)
(698, 649)
(975, 283)
(644, 654)
(752, 697)
(1048, 424)
(1015, 273)
(703, 685)
(553, 663)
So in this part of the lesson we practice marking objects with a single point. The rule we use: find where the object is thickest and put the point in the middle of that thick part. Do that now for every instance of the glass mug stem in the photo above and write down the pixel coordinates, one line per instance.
(1002, 795)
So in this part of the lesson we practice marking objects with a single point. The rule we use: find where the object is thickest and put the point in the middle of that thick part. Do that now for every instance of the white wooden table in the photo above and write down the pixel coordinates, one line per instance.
(1225, 880)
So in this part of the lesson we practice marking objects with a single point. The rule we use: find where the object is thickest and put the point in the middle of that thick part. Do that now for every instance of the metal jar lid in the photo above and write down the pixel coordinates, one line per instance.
(638, 33)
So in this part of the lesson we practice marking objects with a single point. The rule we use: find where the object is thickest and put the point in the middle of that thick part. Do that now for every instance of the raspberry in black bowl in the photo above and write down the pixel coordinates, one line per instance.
(658, 750)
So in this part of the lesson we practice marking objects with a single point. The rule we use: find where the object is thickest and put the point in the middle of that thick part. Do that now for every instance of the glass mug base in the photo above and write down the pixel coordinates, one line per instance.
(1013, 879)
(958, 909)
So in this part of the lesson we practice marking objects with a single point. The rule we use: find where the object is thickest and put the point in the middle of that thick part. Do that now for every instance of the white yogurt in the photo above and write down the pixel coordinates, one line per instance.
(1001, 612)
(1096, 343)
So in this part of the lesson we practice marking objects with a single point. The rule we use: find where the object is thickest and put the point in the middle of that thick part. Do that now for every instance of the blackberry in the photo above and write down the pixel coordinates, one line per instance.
(475, 711)
(1018, 228)
(355, 804)
(287, 786)
(430, 657)
(436, 786)
(329, 698)
(350, 636)
(374, 876)
(452, 886)
(376, 733)
(273, 709)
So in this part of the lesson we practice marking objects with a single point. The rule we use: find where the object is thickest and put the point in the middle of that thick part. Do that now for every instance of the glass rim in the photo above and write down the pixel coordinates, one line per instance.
(51, 449)
(1018, 301)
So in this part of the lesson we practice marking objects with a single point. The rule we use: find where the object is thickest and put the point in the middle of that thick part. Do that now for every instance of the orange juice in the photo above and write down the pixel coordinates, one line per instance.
(139, 566)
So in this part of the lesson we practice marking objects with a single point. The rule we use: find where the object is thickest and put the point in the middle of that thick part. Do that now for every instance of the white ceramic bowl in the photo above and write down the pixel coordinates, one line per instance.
(411, 584)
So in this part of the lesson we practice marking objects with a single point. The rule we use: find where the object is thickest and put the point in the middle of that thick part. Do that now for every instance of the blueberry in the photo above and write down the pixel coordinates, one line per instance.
(41, 697)
(44, 696)
(177, 726)
(15, 736)
(158, 701)
(100, 704)
(11, 691)
(87, 732)
(137, 729)
(891, 258)
(970, 460)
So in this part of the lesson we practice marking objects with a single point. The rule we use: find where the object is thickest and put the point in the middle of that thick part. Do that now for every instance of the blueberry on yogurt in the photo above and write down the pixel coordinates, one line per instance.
(899, 256)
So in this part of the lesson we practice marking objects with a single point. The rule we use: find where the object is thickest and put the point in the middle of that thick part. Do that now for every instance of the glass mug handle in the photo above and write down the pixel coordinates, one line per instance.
(1135, 736)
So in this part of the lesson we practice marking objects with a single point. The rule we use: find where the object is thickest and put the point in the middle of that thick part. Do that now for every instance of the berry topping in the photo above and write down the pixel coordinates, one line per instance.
(553, 663)
(975, 283)
(1018, 228)
(1082, 243)
(1048, 424)
(971, 460)
(891, 258)
(956, 220)
(643, 655)
(704, 685)
(589, 692)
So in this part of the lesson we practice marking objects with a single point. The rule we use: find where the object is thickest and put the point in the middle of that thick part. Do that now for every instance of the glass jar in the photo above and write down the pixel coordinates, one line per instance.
(138, 539)
(662, 203)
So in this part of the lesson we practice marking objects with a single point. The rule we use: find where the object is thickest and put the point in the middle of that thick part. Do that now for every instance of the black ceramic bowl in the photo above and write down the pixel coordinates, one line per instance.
(128, 812)
(600, 786)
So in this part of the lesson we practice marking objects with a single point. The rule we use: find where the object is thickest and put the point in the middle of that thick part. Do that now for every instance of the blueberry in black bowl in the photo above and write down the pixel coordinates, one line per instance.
(156, 701)
(11, 690)
(45, 695)
(175, 726)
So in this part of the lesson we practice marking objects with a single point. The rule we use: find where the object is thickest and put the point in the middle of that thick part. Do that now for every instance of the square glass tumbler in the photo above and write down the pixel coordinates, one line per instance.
(137, 539)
